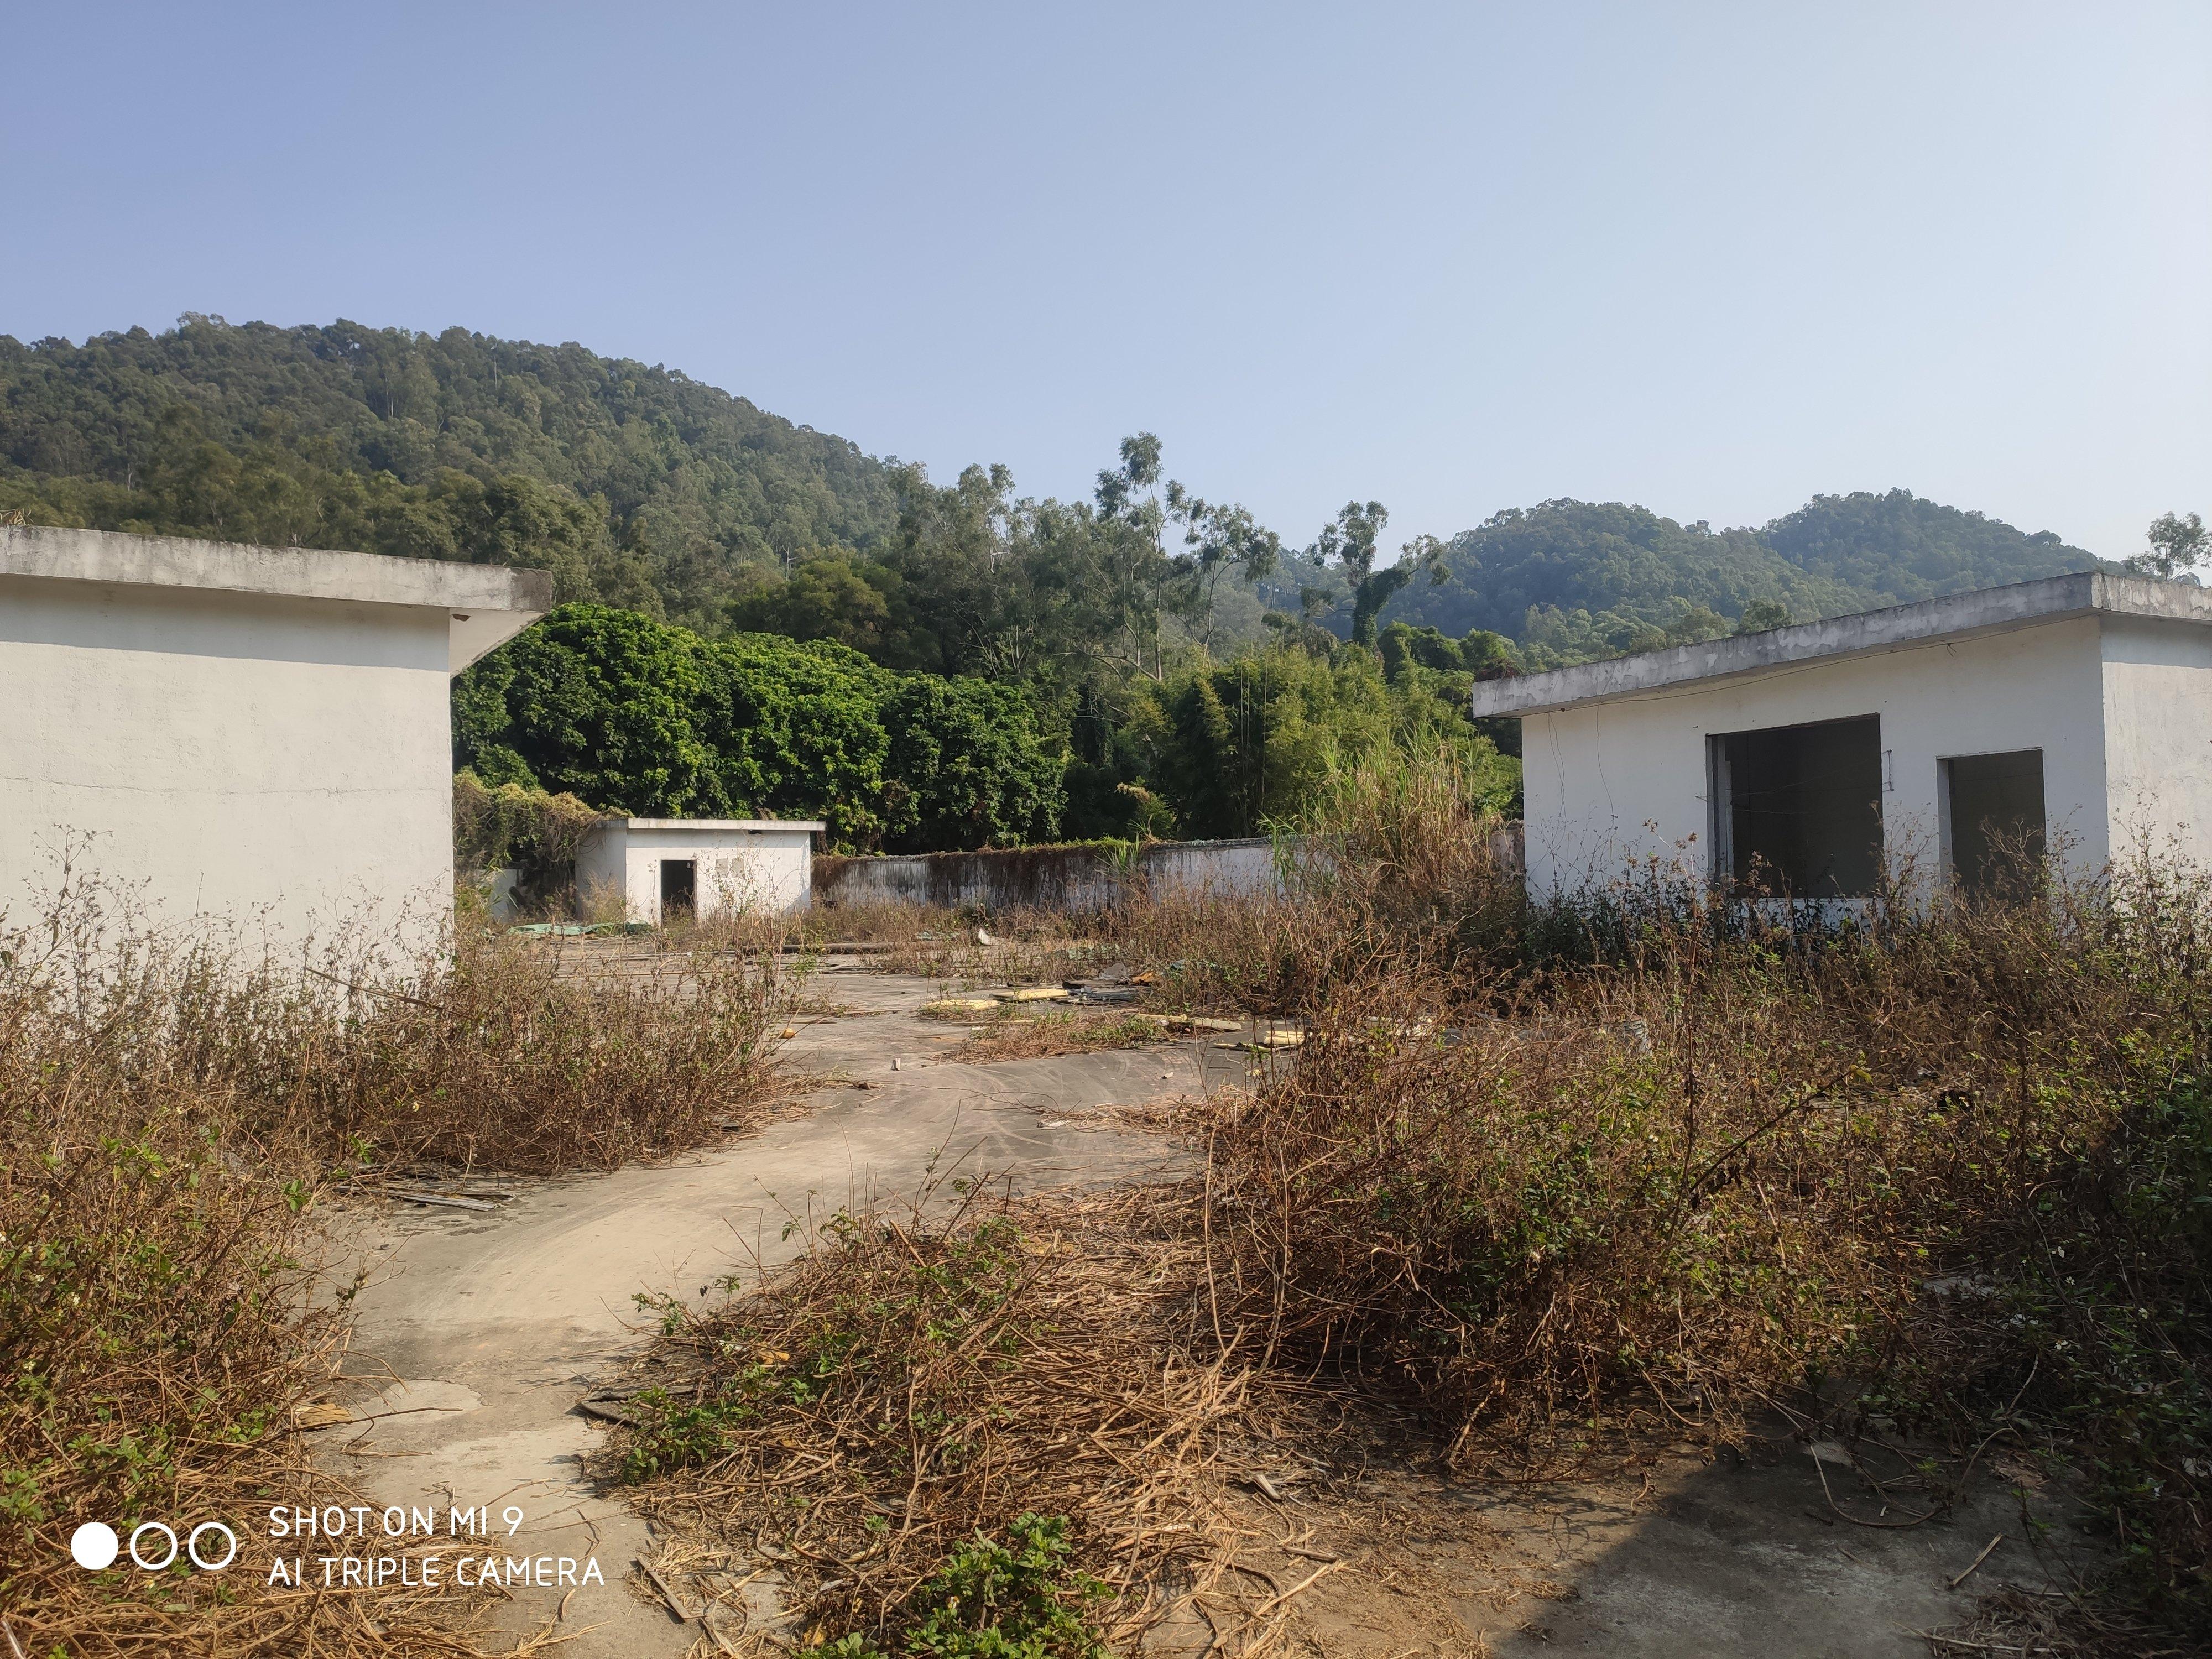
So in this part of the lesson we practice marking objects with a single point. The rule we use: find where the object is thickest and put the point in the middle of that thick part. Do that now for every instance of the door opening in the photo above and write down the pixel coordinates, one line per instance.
(1798, 808)
(1993, 820)
(679, 889)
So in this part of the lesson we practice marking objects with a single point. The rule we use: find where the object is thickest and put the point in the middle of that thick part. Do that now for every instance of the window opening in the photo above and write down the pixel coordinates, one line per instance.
(1993, 827)
(1798, 808)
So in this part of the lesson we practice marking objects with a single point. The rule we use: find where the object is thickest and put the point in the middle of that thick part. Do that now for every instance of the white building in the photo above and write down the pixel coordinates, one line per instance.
(665, 868)
(258, 734)
(2077, 709)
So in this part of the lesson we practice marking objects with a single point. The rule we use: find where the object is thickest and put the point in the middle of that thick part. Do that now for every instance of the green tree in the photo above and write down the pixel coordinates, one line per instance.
(797, 731)
(597, 703)
(1352, 542)
(968, 768)
(2177, 545)
(636, 716)
(1761, 615)
(1219, 539)
(830, 596)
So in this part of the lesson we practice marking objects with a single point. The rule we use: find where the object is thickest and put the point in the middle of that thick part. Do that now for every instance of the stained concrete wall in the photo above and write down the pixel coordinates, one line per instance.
(1077, 878)
(250, 735)
(1610, 783)
(759, 866)
(2158, 738)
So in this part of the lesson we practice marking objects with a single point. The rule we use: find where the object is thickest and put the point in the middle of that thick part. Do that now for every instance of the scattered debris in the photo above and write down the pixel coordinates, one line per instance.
(724, 1625)
(1977, 1561)
(441, 1199)
(321, 1415)
(679, 1608)
(577, 929)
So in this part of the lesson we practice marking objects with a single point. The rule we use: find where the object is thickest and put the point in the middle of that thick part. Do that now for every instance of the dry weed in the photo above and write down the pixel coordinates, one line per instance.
(910, 1383)
(1010, 1036)
(170, 1116)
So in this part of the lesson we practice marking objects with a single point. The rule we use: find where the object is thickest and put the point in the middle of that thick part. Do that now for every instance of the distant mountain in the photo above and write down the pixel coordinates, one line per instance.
(689, 482)
(1580, 579)
(643, 487)
(1896, 547)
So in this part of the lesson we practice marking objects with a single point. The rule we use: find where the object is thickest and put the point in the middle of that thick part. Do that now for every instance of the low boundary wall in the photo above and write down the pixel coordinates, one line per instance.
(1081, 878)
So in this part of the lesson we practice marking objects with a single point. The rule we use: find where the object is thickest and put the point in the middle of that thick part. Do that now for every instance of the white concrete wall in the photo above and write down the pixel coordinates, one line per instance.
(765, 871)
(285, 763)
(1607, 784)
(1078, 879)
(2158, 737)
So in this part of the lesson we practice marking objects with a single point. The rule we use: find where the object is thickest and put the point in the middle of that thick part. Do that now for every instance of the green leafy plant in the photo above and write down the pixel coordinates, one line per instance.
(1019, 1599)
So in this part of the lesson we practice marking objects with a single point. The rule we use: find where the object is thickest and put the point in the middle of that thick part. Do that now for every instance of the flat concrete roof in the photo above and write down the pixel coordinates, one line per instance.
(749, 826)
(1867, 633)
(487, 604)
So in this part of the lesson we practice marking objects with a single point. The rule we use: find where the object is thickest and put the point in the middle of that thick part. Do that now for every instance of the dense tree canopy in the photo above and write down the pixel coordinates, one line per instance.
(1576, 580)
(695, 483)
(637, 716)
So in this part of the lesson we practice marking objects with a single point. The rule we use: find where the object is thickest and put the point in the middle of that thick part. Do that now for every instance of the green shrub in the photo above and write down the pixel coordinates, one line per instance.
(1020, 1600)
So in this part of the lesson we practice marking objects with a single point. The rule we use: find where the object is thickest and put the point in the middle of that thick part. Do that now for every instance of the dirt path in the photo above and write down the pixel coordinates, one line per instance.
(492, 1326)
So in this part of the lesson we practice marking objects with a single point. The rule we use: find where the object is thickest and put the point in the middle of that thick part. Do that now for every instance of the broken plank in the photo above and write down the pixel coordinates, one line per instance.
(441, 1199)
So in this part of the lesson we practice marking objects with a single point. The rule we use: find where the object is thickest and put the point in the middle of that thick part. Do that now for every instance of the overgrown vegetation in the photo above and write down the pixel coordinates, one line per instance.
(919, 1387)
(1561, 1178)
(511, 826)
(1020, 1600)
(1018, 1033)
(173, 1116)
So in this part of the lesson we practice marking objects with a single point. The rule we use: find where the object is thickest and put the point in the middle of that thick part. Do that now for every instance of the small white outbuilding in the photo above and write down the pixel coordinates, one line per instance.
(256, 733)
(2073, 713)
(664, 869)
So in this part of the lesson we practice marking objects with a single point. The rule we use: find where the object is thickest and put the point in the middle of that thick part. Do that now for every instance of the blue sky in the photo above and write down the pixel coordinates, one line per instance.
(1710, 259)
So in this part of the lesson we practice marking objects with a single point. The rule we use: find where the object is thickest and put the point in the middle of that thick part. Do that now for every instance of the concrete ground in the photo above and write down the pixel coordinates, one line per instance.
(491, 1327)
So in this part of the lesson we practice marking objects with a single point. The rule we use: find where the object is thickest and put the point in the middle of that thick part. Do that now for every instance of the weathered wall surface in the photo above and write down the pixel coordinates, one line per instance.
(1078, 879)
(280, 761)
(1607, 784)
(2158, 738)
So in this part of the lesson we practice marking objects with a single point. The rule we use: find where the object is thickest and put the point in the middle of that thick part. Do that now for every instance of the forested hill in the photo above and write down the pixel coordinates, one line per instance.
(644, 485)
(1574, 579)
(643, 489)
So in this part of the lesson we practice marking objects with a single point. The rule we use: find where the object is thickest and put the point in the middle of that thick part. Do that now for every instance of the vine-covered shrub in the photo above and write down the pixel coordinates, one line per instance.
(508, 826)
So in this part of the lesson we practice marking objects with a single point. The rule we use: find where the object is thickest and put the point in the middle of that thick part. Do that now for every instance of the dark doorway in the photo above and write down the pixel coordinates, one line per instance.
(1993, 819)
(679, 889)
(1799, 807)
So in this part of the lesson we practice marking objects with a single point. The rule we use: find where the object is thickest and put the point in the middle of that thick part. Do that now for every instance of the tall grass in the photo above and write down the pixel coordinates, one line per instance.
(171, 1115)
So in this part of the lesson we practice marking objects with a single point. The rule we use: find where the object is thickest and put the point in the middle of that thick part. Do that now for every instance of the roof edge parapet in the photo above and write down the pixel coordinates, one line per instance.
(118, 557)
(615, 821)
(1954, 616)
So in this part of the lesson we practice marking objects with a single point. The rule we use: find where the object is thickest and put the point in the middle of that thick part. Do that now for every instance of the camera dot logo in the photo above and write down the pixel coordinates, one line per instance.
(95, 1546)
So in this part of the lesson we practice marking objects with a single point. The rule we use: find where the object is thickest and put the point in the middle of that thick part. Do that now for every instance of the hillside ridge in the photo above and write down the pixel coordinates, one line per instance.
(641, 486)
